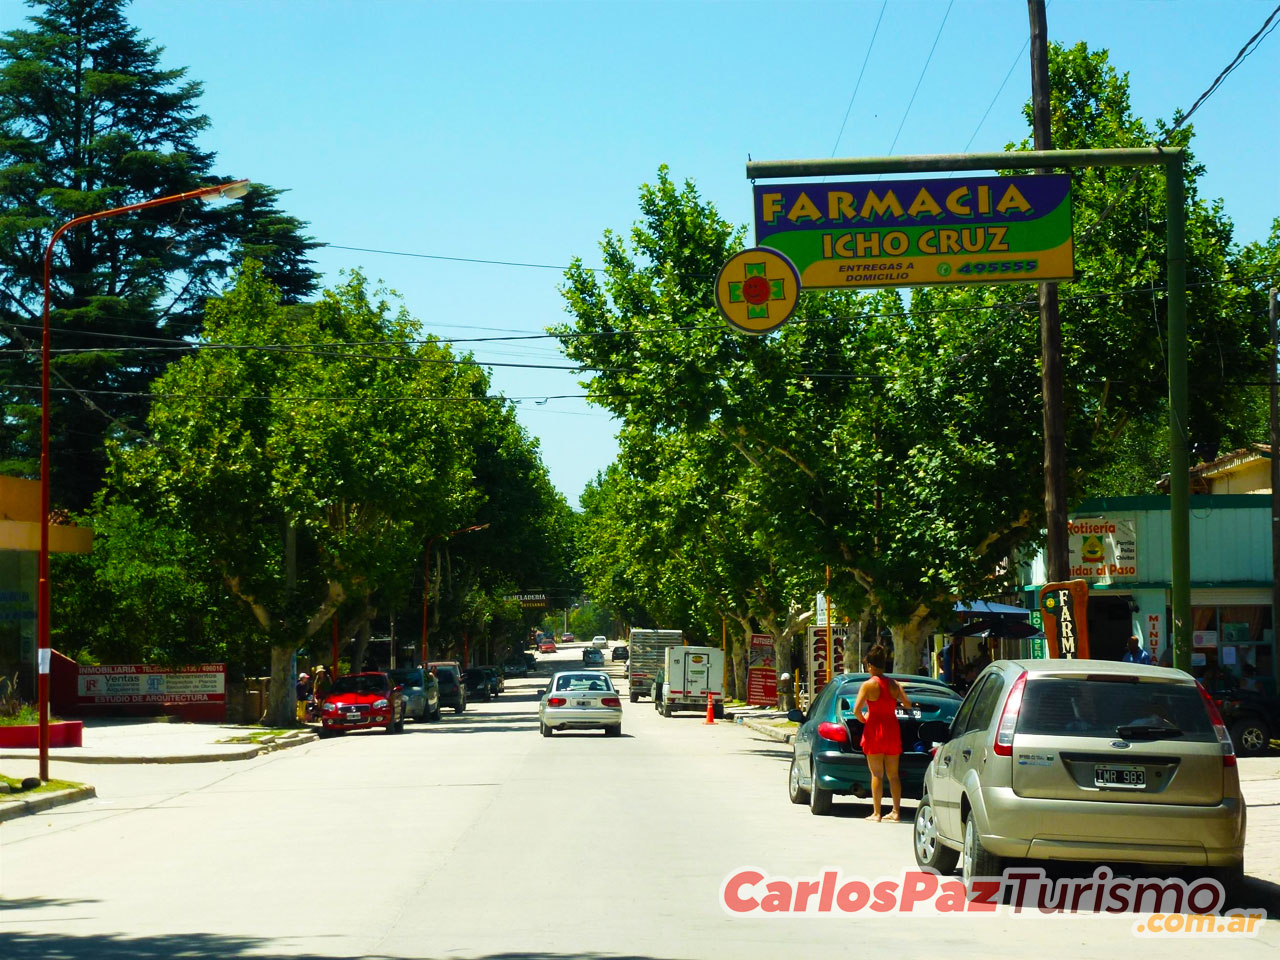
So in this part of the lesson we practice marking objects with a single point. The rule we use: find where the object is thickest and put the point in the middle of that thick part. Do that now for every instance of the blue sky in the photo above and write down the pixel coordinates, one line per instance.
(520, 131)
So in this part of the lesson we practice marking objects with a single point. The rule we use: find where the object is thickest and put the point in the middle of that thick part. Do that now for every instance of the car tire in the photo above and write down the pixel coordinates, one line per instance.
(717, 711)
(795, 790)
(634, 696)
(400, 723)
(1232, 880)
(819, 797)
(931, 852)
(461, 707)
(976, 860)
(1251, 737)
(615, 731)
(545, 730)
(666, 710)
(435, 714)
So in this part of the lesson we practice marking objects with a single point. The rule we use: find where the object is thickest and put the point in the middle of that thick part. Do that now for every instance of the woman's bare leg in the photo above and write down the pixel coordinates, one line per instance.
(895, 785)
(875, 763)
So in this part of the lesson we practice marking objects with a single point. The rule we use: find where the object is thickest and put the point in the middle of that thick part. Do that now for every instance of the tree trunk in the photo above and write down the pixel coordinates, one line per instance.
(282, 699)
(908, 641)
(361, 647)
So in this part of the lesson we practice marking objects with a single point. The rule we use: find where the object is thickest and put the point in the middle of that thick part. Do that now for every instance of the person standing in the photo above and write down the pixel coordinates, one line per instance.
(876, 707)
(1134, 653)
(945, 658)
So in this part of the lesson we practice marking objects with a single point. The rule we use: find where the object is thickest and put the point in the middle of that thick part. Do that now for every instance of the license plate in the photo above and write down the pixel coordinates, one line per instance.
(582, 703)
(353, 716)
(1114, 775)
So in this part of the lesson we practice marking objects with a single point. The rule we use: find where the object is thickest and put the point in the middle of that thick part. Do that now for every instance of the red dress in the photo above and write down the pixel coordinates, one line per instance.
(880, 733)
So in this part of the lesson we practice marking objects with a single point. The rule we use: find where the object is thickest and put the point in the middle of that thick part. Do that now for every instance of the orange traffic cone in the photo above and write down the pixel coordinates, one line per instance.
(711, 710)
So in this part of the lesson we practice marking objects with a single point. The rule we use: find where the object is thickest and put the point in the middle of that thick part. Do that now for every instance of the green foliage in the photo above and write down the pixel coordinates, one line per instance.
(90, 120)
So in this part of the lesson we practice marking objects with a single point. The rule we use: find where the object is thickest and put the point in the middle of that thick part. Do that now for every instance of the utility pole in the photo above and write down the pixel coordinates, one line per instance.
(1275, 493)
(1055, 447)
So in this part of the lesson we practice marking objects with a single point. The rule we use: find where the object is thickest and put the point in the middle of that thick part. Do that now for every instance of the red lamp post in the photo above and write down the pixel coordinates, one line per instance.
(426, 580)
(237, 188)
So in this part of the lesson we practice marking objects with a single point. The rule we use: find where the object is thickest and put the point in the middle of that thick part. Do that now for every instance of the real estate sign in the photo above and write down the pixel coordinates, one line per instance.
(896, 233)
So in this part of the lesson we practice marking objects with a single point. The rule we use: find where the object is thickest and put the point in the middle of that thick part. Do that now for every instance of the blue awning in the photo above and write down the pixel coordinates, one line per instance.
(984, 608)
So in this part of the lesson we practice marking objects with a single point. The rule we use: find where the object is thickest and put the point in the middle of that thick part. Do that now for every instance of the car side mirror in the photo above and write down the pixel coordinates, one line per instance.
(795, 715)
(934, 731)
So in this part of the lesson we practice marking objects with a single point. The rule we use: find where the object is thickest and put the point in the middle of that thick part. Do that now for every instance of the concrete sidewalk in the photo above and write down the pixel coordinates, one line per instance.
(121, 740)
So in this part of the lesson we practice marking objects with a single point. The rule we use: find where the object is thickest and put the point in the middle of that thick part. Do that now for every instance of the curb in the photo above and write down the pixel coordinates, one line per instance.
(773, 733)
(13, 809)
(247, 753)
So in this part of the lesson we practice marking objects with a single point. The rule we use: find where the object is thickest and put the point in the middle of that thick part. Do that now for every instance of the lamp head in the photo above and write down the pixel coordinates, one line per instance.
(234, 190)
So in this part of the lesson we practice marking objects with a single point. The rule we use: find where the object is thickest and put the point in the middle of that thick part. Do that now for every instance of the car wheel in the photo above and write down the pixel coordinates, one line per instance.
(435, 714)
(931, 853)
(400, 724)
(615, 731)
(461, 707)
(976, 861)
(1231, 878)
(717, 711)
(634, 696)
(1251, 737)
(666, 710)
(819, 797)
(544, 730)
(795, 791)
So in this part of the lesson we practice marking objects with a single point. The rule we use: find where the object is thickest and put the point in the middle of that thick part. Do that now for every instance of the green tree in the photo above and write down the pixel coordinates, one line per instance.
(89, 120)
(363, 452)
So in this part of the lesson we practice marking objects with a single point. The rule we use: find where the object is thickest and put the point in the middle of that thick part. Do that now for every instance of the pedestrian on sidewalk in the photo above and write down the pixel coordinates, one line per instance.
(876, 707)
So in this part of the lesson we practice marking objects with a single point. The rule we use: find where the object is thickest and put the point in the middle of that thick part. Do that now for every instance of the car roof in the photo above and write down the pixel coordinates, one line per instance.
(1064, 667)
(579, 673)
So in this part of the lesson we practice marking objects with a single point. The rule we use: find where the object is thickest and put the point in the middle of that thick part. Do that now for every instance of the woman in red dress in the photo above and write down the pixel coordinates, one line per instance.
(877, 708)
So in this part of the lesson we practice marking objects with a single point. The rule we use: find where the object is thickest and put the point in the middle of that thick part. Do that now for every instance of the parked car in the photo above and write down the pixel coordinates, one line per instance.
(568, 638)
(591, 657)
(620, 653)
(1252, 718)
(600, 642)
(476, 682)
(359, 701)
(421, 692)
(546, 645)
(497, 683)
(1083, 760)
(515, 666)
(580, 700)
(827, 758)
(452, 691)
(531, 661)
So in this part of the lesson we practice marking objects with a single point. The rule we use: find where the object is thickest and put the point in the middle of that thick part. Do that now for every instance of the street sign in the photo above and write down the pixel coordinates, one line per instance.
(529, 601)
(899, 233)
(757, 291)
(1065, 607)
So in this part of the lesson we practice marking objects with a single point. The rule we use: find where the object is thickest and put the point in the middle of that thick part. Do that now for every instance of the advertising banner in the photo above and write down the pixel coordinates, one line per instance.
(818, 672)
(1103, 549)
(895, 233)
(762, 674)
(1065, 608)
(133, 684)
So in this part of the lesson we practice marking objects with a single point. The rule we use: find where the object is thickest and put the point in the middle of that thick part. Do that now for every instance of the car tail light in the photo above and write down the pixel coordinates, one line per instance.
(610, 702)
(1009, 718)
(833, 731)
(556, 702)
(1219, 728)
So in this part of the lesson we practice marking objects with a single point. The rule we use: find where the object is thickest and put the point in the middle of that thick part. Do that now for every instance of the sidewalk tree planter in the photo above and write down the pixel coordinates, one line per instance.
(62, 733)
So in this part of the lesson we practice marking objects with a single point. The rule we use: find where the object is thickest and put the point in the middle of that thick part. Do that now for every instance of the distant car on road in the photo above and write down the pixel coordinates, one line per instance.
(620, 653)
(497, 683)
(359, 701)
(568, 638)
(1252, 717)
(452, 691)
(421, 692)
(515, 667)
(580, 700)
(546, 645)
(591, 657)
(476, 681)
(530, 661)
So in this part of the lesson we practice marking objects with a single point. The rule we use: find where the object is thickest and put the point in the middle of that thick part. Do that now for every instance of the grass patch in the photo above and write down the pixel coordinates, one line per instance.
(27, 715)
(49, 787)
(256, 736)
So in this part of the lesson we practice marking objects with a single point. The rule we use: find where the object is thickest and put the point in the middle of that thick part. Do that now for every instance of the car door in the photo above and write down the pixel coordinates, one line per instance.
(803, 746)
(971, 745)
(943, 787)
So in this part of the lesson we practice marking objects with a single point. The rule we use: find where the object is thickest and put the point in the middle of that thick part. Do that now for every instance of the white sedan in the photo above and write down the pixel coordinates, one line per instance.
(580, 700)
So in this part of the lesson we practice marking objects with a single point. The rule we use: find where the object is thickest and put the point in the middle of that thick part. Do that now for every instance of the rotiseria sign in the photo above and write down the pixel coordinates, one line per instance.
(910, 232)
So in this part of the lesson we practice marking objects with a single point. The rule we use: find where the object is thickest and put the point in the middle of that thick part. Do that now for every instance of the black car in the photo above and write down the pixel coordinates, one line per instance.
(1251, 717)
(497, 683)
(476, 680)
(515, 667)
(452, 691)
(620, 653)
(530, 661)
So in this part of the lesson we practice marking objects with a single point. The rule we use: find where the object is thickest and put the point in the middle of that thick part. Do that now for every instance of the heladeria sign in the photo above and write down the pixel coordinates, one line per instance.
(893, 233)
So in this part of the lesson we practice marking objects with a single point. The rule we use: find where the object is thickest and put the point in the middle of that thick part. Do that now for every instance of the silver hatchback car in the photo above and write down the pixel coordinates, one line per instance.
(1085, 760)
(580, 700)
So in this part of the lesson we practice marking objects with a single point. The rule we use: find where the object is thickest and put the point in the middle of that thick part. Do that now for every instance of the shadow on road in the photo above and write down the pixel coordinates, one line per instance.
(207, 946)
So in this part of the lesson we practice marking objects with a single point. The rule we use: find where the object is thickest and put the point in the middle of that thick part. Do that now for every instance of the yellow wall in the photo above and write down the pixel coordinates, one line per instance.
(20, 521)
(1253, 476)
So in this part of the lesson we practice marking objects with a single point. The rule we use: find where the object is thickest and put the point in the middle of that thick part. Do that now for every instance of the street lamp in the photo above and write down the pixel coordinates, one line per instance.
(237, 188)
(426, 580)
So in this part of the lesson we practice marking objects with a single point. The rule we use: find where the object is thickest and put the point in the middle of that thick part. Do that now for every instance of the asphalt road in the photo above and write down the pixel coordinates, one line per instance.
(477, 838)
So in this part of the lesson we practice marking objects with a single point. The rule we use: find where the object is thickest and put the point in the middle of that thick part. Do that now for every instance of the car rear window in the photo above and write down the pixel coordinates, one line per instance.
(584, 682)
(1110, 709)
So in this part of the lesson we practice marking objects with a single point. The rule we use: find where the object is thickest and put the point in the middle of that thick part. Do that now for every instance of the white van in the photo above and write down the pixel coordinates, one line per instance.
(600, 643)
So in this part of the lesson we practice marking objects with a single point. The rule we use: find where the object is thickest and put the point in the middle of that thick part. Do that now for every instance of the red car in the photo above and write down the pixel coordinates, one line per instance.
(546, 645)
(359, 701)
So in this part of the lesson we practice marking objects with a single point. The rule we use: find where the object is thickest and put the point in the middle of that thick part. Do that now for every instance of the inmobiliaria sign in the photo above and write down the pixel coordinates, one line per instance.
(131, 687)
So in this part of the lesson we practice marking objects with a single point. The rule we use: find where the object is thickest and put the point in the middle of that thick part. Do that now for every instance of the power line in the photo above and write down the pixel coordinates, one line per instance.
(835, 146)
(923, 71)
(480, 260)
(1013, 66)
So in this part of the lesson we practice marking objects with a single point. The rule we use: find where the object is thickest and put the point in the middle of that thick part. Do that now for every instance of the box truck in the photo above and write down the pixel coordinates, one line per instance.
(645, 650)
(688, 675)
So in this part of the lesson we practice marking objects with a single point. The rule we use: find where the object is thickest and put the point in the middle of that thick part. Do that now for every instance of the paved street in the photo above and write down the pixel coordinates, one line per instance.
(477, 838)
